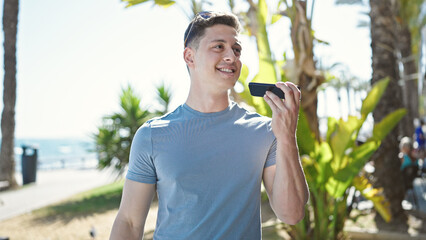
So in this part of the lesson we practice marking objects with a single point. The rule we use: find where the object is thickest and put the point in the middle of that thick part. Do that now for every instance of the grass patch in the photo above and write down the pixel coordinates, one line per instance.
(97, 200)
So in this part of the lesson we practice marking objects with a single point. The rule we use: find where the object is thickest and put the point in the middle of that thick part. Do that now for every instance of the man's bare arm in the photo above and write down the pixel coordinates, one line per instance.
(286, 187)
(285, 182)
(134, 207)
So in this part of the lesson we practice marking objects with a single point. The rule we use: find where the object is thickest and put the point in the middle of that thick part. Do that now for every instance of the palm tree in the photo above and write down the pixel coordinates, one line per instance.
(408, 79)
(113, 139)
(163, 97)
(307, 76)
(10, 25)
(409, 20)
(384, 64)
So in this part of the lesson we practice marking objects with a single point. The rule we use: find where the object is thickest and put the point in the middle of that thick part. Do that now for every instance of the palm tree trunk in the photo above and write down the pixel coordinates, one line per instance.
(410, 86)
(7, 161)
(307, 77)
(384, 64)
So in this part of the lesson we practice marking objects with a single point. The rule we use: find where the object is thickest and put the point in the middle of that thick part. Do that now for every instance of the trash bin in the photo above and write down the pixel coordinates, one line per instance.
(29, 164)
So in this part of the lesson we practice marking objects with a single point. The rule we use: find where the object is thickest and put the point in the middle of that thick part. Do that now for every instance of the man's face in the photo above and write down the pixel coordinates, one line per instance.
(217, 60)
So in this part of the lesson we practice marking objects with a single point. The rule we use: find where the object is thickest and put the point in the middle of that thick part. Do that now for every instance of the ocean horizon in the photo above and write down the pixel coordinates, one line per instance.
(56, 153)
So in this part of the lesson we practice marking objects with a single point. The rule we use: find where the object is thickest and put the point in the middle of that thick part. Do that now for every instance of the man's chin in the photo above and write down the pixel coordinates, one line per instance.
(231, 84)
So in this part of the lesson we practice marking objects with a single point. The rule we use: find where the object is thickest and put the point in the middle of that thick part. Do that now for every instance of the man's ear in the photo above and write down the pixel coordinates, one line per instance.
(188, 56)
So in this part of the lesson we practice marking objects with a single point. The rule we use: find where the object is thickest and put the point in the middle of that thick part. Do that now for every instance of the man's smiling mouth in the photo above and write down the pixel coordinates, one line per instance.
(226, 70)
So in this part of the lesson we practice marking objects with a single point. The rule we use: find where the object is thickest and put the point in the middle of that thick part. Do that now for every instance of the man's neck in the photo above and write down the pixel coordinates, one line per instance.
(207, 103)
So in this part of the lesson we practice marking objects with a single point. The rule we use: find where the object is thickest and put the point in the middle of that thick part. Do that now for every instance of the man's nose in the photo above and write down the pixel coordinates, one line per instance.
(229, 56)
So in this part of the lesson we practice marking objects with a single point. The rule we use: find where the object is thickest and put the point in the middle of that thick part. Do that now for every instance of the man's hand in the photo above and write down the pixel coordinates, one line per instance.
(285, 112)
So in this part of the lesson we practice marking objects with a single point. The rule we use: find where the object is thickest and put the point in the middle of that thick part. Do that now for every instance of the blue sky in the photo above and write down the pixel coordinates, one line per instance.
(74, 57)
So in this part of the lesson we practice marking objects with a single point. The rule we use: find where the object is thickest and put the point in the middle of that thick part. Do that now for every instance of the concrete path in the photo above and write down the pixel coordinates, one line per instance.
(51, 186)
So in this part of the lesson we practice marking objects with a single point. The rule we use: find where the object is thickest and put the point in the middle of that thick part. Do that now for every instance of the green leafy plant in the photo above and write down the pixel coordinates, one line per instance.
(333, 165)
(114, 137)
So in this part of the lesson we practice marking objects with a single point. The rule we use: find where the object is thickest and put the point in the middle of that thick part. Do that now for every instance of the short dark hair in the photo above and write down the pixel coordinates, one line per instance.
(203, 20)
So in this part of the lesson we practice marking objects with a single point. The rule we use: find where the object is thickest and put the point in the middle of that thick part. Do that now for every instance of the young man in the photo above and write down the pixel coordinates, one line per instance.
(206, 159)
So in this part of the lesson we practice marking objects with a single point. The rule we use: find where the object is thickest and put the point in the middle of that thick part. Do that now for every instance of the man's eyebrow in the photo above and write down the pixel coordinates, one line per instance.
(238, 43)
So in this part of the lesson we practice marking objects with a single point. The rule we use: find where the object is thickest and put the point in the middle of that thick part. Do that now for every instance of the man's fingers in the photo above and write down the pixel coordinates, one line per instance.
(292, 97)
(292, 94)
(297, 94)
(268, 98)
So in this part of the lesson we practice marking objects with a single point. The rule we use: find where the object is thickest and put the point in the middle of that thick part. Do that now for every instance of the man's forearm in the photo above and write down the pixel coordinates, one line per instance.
(133, 211)
(123, 229)
(290, 190)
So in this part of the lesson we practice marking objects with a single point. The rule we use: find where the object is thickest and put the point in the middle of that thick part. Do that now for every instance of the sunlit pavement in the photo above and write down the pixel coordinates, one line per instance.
(51, 186)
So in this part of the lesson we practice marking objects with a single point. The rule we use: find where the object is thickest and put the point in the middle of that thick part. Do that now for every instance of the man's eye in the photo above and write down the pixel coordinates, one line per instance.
(218, 46)
(237, 50)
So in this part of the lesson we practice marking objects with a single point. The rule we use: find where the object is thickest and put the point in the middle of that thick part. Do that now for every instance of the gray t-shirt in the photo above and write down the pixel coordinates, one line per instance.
(208, 170)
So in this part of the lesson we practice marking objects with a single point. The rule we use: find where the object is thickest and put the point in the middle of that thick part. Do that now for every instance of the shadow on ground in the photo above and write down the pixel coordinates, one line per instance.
(82, 206)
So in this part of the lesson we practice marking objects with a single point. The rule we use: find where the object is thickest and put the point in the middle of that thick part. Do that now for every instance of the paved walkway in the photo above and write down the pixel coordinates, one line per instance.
(51, 186)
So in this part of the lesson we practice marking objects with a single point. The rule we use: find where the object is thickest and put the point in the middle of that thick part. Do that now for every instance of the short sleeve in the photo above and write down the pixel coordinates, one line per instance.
(141, 164)
(271, 158)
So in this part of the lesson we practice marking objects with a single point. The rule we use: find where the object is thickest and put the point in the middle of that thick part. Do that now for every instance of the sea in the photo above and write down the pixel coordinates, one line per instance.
(56, 153)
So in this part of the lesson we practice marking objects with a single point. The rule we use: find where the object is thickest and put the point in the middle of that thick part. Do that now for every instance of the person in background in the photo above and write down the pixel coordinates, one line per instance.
(419, 136)
(406, 153)
(206, 160)
(409, 163)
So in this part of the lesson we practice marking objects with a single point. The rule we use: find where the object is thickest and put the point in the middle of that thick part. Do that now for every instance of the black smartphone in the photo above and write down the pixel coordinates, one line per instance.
(259, 89)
